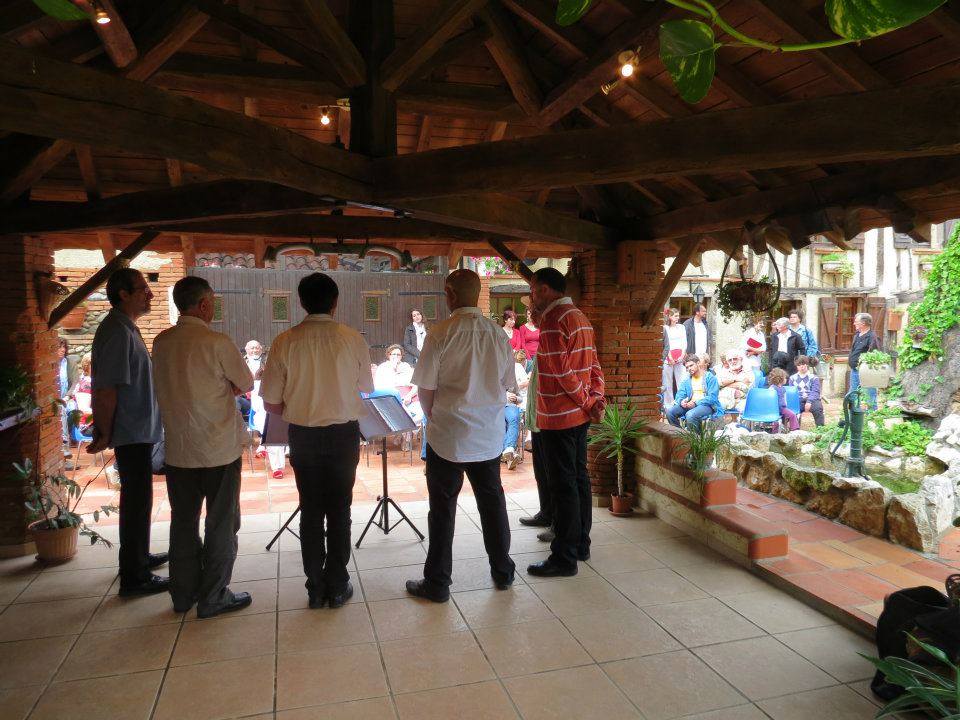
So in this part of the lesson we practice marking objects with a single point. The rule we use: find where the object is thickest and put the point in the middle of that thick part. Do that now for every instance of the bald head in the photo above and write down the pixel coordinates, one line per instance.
(462, 289)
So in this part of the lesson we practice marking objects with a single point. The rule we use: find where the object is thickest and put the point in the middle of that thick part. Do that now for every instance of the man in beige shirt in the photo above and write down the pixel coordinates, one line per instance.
(197, 374)
(314, 376)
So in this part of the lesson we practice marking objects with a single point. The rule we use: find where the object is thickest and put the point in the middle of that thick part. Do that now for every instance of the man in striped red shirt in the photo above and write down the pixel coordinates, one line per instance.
(569, 398)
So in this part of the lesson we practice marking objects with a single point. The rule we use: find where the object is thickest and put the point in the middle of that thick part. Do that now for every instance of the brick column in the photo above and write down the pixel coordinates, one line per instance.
(30, 345)
(629, 352)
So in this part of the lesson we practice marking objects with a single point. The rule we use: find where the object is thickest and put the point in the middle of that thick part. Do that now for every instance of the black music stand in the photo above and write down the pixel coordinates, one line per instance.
(385, 417)
(276, 432)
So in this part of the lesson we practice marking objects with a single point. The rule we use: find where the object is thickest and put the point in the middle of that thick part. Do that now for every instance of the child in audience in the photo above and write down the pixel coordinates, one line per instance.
(808, 386)
(776, 379)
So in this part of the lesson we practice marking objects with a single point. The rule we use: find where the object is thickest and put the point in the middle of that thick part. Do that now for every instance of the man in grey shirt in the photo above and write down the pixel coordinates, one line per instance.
(126, 418)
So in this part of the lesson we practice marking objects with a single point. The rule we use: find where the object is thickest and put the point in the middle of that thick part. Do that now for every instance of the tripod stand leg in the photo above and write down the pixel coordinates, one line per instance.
(286, 526)
(381, 506)
(404, 516)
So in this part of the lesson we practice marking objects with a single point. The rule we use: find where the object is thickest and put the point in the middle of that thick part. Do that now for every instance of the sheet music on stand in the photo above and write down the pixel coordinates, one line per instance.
(385, 416)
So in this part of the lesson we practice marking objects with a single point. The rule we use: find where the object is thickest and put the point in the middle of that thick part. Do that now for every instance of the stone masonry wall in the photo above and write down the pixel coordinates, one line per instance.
(29, 344)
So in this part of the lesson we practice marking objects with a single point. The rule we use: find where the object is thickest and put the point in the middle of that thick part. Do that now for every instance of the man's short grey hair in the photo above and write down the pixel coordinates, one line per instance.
(865, 319)
(189, 291)
(782, 322)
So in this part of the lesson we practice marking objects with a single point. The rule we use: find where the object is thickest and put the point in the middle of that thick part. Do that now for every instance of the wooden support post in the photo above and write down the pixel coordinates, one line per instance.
(189, 250)
(373, 109)
(100, 277)
(670, 281)
(454, 254)
(259, 249)
(108, 246)
(510, 258)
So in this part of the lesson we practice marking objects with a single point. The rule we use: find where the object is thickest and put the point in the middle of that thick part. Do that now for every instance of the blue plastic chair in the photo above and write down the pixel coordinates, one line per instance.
(792, 397)
(80, 439)
(759, 379)
(761, 406)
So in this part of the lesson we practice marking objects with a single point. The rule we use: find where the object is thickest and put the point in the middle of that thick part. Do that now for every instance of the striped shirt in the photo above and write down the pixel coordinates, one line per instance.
(569, 378)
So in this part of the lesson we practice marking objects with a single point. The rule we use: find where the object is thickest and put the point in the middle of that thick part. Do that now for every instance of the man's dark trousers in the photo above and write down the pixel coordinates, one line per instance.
(444, 482)
(324, 461)
(566, 455)
(202, 569)
(134, 464)
(542, 477)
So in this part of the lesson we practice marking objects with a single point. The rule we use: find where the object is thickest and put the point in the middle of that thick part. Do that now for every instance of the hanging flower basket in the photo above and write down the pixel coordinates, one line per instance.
(748, 297)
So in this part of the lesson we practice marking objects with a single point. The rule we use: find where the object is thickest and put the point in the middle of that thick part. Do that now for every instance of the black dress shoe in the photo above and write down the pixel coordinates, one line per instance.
(339, 599)
(537, 520)
(316, 601)
(181, 608)
(155, 560)
(583, 555)
(420, 589)
(503, 584)
(155, 584)
(546, 536)
(548, 568)
(240, 601)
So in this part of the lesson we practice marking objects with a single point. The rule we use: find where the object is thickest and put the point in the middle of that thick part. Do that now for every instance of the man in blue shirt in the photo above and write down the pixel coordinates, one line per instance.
(126, 418)
(809, 341)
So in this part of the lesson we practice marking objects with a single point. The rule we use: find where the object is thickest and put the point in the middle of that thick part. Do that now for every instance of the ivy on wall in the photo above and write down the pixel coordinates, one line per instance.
(937, 312)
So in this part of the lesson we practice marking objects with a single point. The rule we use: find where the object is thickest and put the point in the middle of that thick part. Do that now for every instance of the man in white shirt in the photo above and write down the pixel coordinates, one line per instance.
(313, 378)
(698, 332)
(463, 371)
(197, 374)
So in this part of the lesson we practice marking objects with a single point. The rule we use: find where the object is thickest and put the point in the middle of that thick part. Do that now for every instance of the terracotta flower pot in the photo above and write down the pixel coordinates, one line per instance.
(621, 505)
(54, 545)
(73, 320)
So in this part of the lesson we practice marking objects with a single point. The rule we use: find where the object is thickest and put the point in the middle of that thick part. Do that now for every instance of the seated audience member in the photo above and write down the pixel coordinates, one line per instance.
(512, 412)
(395, 376)
(276, 454)
(776, 379)
(84, 381)
(808, 385)
(697, 397)
(706, 363)
(724, 361)
(413, 337)
(735, 380)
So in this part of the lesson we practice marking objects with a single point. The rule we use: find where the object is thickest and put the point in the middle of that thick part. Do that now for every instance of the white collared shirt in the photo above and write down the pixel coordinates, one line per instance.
(467, 360)
(782, 341)
(318, 369)
(194, 371)
(421, 332)
(699, 337)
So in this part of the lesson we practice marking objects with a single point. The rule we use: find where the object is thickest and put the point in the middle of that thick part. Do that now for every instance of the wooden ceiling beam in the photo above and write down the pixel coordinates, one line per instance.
(88, 172)
(53, 99)
(586, 76)
(459, 100)
(451, 50)
(670, 280)
(26, 159)
(269, 36)
(864, 185)
(17, 16)
(891, 124)
(411, 55)
(495, 131)
(506, 48)
(541, 17)
(217, 200)
(335, 44)
(423, 136)
(114, 35)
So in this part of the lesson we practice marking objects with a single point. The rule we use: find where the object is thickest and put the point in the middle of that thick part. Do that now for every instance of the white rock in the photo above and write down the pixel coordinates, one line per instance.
(850, 483)
(939, 492)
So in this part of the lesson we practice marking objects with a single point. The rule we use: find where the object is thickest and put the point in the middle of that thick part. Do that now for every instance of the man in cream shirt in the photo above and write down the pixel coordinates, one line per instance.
(197, 374)
(463, 373)
(313, 377)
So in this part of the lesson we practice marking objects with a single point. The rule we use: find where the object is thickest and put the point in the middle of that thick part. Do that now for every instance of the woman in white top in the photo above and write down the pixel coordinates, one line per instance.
(734, 379)
(754, 344)
(413, 337)
(395, 375)
(674, 351)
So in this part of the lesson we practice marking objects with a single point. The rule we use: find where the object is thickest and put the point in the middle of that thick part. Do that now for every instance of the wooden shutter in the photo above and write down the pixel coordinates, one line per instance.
(877, 307)
(827, 334)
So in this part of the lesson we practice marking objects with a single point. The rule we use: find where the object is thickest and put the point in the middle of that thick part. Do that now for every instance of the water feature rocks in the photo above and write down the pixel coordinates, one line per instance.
(945, 445)
(866, 509)
(908, 523)
(829, 504)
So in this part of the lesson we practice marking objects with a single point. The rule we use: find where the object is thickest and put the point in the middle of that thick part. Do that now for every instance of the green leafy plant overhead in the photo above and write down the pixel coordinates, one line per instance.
(688, 47)
(61, 9)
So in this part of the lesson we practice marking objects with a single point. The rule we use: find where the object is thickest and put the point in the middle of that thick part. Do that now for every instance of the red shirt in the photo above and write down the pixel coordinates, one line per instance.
(516, 340)
(569, 378)
(531, 341)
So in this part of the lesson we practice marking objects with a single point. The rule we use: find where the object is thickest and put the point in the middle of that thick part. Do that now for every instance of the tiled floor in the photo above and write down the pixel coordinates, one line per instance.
(655, 626)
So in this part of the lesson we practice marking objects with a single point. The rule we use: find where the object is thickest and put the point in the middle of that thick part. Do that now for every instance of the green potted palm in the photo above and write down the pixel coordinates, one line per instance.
(701, 443)
(875, 369)
(615, 435)
(52, 502)
(16, 397)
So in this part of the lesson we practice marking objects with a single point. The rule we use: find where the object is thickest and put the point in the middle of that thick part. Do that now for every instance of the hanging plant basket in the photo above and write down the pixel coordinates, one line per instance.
(750, 297)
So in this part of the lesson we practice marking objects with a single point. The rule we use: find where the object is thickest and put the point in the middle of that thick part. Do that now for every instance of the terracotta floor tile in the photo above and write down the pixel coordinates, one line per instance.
(784, 512)
(901, 577)
(821, 529)
(851, 549)
(827, 555)
(862, 582)
(823, 587)
(888, 551)
(934, 570)
(791, 565)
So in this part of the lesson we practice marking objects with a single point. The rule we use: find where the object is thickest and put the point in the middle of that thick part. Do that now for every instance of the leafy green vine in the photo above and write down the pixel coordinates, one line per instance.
(937, 312)
(689, 47)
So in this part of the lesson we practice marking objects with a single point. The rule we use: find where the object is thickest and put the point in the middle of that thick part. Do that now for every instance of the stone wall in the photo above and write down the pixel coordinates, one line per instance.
(29, 344)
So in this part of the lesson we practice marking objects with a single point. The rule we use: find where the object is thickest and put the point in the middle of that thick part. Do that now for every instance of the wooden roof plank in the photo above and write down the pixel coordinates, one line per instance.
(335, 44)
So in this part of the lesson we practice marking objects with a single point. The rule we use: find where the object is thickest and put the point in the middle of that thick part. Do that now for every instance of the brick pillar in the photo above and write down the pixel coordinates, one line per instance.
(629, 352)
(29, 344)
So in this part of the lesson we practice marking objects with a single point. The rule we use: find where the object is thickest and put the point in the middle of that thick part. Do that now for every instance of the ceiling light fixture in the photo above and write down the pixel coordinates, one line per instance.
(628, 60)
(102, 17)
(324, 117)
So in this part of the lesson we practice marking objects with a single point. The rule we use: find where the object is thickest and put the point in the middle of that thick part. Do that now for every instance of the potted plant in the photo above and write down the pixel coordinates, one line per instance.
(16, 397)
(701, 443)
(73, 320)
(52, 501)
(617, 434)
(837, 264)
(875, 369)
(745, 297)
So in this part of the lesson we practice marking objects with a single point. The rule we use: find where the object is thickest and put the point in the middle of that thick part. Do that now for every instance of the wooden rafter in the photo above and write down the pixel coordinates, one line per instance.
(48, 98)
(407, 59)
(451, 50)
(335, 44)
(512, 259)
(680, 262)
(26, 160)
(807, 131)
(88, 172)
(506, 48)
(114, 35)
(423, 136)
(539, 15)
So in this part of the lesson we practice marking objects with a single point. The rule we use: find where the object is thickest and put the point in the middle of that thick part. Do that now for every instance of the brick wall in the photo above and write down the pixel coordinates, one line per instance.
(629, 352)
(168, 268)
(29, 344)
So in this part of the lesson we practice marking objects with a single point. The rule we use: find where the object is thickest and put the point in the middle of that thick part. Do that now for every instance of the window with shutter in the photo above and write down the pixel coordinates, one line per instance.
(827, 334)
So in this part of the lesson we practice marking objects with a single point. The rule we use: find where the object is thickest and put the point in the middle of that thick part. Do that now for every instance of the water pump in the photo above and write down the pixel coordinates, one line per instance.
(853, 418)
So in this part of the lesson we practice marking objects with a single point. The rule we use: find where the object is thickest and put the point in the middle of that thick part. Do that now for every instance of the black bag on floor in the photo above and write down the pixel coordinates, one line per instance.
(926, 614)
